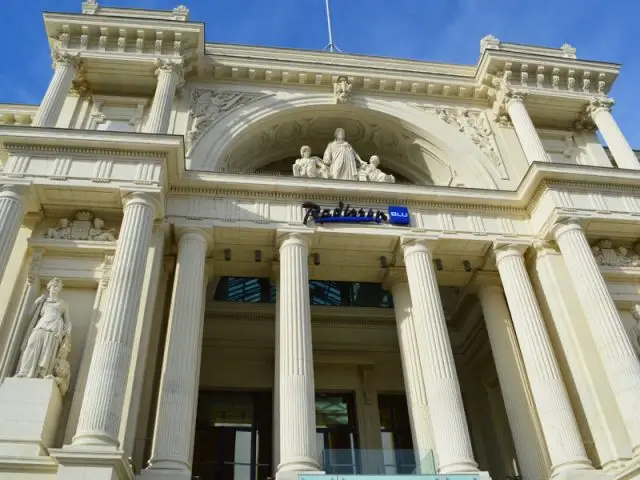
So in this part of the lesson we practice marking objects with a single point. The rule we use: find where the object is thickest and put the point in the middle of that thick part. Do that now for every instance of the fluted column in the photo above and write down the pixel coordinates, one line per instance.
(65, 65)
(614, 347)
(103, 401)
(513, 385)
(414, 379)
(12, 205)
(448, 420)
(276, 377)
(178, 396)
(550, 397)
(525, 130)
(296, 386)
(600, 111)
(169, 73)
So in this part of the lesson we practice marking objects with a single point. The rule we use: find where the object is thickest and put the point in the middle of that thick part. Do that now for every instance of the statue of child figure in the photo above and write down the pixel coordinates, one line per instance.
(308, 166)
(369, 172)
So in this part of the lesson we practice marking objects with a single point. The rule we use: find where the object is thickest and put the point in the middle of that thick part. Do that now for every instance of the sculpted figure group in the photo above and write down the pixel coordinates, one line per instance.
(340, 162)
(83, 227)
(47, 345)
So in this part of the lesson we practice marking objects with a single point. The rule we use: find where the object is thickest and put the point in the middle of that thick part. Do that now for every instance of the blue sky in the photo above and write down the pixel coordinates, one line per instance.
(434, 30)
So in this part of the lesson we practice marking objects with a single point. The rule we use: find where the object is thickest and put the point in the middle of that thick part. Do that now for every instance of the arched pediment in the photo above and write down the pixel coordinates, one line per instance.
(412, 143)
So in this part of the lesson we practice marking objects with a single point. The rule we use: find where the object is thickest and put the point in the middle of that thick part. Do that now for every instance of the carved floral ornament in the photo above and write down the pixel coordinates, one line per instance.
(606, 255)
(207, 106)
(85, 226)
(475, 125)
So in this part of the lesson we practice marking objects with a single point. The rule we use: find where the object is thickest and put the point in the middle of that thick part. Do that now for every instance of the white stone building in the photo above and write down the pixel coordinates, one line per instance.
(208, 324)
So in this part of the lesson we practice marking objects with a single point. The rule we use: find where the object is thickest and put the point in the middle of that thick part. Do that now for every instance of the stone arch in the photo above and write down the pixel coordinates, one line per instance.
(438, 144)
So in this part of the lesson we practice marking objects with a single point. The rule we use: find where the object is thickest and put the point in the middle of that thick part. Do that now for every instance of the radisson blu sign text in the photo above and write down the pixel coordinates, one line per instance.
(394, 215)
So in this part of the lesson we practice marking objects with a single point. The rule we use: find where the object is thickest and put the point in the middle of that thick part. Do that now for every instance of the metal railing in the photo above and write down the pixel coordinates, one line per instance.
(376, 462)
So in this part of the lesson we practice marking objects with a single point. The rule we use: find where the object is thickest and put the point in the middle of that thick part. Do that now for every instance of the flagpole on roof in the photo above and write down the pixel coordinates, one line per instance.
(331, 46)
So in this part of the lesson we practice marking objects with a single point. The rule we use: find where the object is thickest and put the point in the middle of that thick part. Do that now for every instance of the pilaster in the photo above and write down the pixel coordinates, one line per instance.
(611, 340)
(547, 386)
(414, 379)
(570, 327)
(525, 429)
(174, 426)
(12, 206)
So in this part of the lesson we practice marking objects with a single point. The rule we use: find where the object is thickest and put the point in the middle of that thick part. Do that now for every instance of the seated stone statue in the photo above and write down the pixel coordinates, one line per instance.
(98, 233)
(49, 329)
(62, 231)
(369, 172)
(308, 166)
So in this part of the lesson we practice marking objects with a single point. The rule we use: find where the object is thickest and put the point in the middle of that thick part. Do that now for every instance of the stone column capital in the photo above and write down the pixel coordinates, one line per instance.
(16, 191)
(417, 243)
(286, 237)
(599, 104)
(194, 233)
(149, 199)
(169, 65)
(567, 225)
(502, 250)
(511, 96)
(66, 58)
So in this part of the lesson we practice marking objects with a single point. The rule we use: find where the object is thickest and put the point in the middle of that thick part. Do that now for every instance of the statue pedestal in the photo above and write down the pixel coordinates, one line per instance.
(29, 412)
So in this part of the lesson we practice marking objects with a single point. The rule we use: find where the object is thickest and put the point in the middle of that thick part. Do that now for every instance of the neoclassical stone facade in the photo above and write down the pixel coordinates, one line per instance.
(278, 263)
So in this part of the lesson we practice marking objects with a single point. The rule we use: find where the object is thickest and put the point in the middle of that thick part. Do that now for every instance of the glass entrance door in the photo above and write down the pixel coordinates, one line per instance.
(233, 436)
(336, 433)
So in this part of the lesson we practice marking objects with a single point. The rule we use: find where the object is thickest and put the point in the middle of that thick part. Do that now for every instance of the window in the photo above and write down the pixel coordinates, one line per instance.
(336, 433)
(245, 289)
(349, 294)
(395, 429)
(116, 126)
(233, 436)
(338, 294)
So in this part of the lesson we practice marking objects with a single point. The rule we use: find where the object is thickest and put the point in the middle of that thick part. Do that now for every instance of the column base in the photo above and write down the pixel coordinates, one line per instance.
(583, 475)
(630, 472)
(151, 473)
(29, 412)
(76, 463)
(292, 475)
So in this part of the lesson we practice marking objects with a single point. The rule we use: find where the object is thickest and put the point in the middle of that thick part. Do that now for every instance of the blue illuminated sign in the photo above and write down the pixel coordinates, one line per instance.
(399, 215)
(395, 215)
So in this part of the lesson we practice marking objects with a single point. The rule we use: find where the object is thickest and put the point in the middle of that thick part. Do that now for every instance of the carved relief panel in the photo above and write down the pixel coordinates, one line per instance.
(84, 226)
